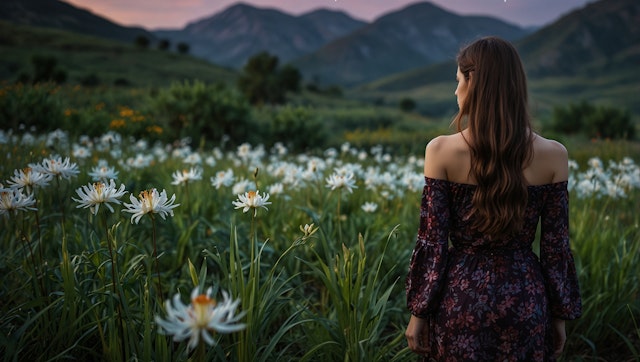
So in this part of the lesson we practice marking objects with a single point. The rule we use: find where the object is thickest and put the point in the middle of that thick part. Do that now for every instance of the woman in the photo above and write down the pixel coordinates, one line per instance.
(488, 297)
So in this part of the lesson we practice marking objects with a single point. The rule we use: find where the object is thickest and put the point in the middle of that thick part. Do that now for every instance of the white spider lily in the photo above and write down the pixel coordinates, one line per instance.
(200, 318)
(252, 200)
(29, 178)
(94, 195)
(341, 181)
(185, 176)
(150, 202)
(14, 200)
(57, 167)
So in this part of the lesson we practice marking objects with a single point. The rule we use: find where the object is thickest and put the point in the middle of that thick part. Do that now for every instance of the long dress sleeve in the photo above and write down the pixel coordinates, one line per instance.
(557, 261)
(427, 269)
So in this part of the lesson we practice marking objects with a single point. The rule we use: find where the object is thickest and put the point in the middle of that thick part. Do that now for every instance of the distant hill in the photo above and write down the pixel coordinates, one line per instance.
(103, 61)
(233, 35)
(417, 35)
(592, 53)
(64, 16)
(603, 36)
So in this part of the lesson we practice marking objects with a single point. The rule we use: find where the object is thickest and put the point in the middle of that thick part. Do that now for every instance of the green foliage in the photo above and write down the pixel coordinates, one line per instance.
(142, 42)
(209, 112)
(407, 104)
(28, 106)
(79, 54)
(45, 69)
(164, 44)
(263, 82)
(593, 121)
(183, 48)
(298, 128)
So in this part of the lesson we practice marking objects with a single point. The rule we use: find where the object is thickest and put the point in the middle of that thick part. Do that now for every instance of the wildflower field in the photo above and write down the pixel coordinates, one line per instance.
(117, 249)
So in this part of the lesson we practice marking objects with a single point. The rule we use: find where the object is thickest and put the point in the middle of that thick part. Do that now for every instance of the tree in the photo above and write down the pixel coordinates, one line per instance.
(142, 42)
(290, 78)
(407, 104)
(164, 44)
(258, 80)
(183, 48)
(45, 69)
(263, 82)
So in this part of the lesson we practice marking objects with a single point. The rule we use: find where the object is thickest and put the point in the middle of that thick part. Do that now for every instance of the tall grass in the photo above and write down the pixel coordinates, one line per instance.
(82, 286)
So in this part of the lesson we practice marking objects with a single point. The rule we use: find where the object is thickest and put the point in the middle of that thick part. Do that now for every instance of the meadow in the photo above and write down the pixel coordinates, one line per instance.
(305, 253)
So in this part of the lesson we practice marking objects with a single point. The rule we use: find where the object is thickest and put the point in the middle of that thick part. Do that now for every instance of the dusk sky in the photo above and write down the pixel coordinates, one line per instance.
(177, 13)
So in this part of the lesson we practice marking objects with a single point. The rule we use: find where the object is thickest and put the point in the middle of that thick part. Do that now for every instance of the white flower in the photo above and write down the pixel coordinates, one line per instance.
(103, 173)
(183, 177)
(81, 151)
(200, 318)
(243, 186)
(58, 167)
(29, 178)
(341, 181)
(14, 200)
(252, 200)
(369, 207)
(93, 195)
(223, 178)
(150, 202)
(276, 188)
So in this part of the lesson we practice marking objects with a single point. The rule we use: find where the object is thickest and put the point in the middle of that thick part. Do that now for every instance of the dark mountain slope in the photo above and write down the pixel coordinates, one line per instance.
(64, 16)
(415, 36)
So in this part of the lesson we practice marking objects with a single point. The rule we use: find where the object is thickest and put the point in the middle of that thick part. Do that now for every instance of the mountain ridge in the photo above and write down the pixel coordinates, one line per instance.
(64, 16)
(416, 35)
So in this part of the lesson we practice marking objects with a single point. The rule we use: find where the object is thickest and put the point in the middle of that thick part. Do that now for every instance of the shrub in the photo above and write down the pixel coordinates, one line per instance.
(30, 106)
(45, 69)
(407, 105)
(210, 112)
(593, 121)
(297, 128)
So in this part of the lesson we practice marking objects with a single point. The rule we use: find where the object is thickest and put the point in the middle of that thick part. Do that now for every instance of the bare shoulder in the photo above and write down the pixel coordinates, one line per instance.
(441, 152)
(553, 156)
(549, 147)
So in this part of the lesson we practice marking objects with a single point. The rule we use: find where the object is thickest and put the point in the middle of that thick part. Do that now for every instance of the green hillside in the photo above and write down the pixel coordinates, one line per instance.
(589, 54)
(432, 88)
(82, 57)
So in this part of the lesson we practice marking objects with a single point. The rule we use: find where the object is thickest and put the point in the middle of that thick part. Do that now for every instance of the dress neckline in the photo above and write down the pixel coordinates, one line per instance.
(551, 184)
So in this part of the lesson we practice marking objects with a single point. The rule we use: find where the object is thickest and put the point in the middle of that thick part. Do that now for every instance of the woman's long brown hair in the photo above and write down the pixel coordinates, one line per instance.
(500, 138)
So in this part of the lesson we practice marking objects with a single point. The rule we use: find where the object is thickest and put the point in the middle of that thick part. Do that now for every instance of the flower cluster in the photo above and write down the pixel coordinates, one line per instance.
(614, 181)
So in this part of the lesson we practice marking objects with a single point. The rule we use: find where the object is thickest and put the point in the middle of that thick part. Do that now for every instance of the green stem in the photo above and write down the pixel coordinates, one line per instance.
(114, 280)
(155, 255)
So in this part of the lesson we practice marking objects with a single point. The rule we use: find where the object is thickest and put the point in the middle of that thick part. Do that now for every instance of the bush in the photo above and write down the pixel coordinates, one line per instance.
(297, 128)
(210, 112)
(593, 121)
(30, 106)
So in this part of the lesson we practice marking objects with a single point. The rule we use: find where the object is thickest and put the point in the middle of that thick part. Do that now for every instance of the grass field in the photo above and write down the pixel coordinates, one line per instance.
(319, 272)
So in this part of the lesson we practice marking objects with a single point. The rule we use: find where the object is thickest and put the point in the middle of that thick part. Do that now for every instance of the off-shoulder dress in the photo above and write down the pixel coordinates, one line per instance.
(491, 300)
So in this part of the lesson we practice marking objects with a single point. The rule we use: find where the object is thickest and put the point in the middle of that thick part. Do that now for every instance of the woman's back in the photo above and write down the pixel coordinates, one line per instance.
(449, 158)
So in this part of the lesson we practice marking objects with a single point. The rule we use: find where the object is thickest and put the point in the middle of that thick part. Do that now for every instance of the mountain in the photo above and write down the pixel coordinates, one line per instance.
(417, 35)
(601, 36)
(591, 53)
(64, 16)
(240, 31)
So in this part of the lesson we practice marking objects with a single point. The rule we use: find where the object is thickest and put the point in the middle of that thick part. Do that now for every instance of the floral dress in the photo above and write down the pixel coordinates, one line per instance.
(491, 300)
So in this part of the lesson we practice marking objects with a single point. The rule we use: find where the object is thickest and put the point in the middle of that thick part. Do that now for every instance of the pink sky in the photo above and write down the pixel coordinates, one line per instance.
(153, 14)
